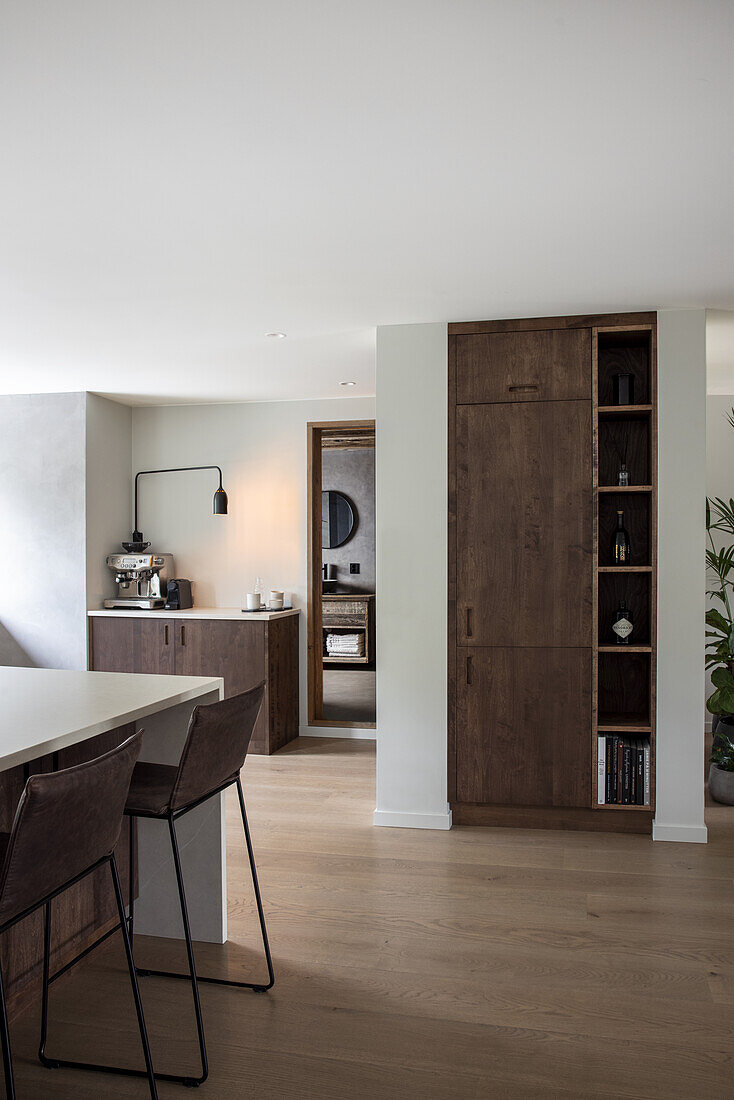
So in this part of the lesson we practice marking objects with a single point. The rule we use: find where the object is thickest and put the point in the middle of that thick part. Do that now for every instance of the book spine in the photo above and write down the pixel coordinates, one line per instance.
(601, 772)
(626, 773)
(620, 770)
(609, 770)
(640, 768)
(647, 775)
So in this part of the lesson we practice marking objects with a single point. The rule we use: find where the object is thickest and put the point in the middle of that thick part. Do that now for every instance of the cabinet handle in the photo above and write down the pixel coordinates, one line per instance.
(183, 635)
(529, 388)
(469, 615)
(165, 634)
(469, 671)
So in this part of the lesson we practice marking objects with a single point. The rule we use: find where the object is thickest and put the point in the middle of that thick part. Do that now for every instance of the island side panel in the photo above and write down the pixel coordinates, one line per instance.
(201, 839)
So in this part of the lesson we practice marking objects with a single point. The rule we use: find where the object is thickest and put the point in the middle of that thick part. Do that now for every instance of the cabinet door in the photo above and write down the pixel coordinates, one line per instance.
(523, 726)
(524, 524)
(523, 366)
(221, 647)
(132, 645)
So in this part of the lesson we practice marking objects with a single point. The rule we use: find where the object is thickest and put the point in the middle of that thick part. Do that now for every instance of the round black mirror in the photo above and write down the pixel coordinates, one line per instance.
(337, 519)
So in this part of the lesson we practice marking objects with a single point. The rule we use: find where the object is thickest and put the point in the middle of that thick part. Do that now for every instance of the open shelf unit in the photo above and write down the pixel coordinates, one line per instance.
(624, 675)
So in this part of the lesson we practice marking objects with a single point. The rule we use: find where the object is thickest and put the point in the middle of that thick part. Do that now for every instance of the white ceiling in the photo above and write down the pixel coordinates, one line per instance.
(180, 177)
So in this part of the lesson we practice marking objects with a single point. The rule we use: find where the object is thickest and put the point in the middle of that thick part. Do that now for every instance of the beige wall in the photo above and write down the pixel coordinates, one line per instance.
(262, 451)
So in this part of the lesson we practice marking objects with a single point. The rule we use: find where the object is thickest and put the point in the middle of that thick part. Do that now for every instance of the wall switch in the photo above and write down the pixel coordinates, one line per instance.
(354, 567)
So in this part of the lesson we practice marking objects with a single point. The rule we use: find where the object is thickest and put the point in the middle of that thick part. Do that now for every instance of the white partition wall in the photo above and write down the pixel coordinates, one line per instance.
(411, 516)
(681, 574)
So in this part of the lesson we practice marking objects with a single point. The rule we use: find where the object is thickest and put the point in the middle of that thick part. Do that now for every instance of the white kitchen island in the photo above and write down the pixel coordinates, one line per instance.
(48, 711)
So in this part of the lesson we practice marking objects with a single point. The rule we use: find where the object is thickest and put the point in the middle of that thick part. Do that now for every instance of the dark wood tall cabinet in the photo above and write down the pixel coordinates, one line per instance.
(527, 539)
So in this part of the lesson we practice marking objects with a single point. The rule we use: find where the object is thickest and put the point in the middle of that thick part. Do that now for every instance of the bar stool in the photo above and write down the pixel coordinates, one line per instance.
(213, 756)
(66, 826)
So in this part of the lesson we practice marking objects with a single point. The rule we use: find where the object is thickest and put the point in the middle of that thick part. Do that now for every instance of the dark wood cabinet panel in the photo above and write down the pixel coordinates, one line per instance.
(133, 645)
(233, 650)
(524, 719)
(523, 366)
(524, 524)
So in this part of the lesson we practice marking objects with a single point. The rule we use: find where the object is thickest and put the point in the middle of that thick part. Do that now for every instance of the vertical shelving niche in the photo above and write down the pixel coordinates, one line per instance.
(625, 674)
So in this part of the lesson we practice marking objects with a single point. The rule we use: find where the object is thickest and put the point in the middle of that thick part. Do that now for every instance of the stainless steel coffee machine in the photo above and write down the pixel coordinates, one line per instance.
(142, 579)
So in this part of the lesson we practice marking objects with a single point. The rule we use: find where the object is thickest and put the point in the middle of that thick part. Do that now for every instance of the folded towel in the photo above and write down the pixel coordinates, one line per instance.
(351, 645)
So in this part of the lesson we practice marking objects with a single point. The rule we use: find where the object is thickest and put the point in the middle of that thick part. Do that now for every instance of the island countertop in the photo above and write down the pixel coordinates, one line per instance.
(45, 710)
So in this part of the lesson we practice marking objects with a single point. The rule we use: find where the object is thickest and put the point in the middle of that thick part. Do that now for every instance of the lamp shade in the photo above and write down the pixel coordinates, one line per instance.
(220, 502)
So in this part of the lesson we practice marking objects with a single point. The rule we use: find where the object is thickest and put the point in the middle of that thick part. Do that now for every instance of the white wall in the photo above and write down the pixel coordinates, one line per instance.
(681, 574)
(411, 486)
(262, 451)
(109, 512)
(42, 501)
(719, 470)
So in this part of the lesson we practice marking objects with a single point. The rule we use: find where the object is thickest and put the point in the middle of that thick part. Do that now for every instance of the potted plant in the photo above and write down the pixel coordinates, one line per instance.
(721, 776)
(720, 645)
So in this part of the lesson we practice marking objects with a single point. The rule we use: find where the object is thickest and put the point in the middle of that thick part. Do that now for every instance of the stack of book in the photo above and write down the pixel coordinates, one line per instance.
(623, 771)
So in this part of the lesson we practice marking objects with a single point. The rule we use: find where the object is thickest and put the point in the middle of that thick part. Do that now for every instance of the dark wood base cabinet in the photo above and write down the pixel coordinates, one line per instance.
(551, 721)
(243, 652)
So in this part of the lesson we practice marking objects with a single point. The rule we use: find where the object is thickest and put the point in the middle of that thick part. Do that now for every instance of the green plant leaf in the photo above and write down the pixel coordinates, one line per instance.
(716, 619)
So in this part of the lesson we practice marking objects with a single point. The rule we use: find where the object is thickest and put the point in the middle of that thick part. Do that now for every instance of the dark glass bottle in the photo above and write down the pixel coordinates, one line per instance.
(620, 542)
(623, 624)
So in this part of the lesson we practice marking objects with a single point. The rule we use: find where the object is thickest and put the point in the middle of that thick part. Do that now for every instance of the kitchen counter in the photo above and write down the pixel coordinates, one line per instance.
(195, 613)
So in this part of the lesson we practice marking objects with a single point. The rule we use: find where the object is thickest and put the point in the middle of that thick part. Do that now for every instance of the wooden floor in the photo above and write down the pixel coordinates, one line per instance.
(457, 966)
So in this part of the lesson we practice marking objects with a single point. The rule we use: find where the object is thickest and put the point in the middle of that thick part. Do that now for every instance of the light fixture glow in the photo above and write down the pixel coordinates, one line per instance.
(276, 335)
(347, 383)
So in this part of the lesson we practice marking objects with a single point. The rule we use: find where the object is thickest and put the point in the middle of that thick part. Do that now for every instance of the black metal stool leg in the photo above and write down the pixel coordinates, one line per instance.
(258, 899)
(189, 953)
(49, 1062)
(257, 987)
(133, 980)
(55, 1063)
(131, 878)
(5, 1038)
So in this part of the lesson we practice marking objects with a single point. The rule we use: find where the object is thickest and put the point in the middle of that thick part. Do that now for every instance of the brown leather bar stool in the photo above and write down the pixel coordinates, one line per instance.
(213, 756)
(66, 826)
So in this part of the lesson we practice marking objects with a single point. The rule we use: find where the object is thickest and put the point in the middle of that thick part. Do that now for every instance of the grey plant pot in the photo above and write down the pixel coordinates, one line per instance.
(721, 785)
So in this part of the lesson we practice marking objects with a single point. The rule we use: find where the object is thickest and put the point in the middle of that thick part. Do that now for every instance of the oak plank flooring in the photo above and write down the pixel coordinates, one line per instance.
(451, 966)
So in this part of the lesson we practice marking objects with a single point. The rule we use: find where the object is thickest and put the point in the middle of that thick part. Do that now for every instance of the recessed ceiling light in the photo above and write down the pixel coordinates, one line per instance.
(347, 383)
(276, 335)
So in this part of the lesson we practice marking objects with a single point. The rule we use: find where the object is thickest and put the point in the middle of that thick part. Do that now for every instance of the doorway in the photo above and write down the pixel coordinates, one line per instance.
(341, 575)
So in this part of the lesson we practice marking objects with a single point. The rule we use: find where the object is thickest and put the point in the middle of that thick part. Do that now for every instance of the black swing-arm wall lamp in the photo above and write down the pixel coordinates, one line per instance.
(219, 505)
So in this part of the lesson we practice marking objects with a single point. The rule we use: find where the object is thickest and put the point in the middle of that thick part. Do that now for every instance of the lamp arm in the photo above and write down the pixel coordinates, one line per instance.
(168, 470)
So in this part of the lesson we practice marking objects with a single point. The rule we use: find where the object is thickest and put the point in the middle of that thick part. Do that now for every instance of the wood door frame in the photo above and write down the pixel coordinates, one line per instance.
(315, 669)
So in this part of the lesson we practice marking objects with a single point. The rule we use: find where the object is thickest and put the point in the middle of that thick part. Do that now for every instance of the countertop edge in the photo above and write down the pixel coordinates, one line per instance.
(233, 614)
(203, 686)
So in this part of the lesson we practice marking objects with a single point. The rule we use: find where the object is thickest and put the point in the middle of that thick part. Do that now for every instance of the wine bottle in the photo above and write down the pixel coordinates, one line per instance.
(620, 542)
(623, 624)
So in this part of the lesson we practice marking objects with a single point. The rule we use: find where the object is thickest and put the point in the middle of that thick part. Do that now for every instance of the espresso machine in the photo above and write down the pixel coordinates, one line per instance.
(142, 579)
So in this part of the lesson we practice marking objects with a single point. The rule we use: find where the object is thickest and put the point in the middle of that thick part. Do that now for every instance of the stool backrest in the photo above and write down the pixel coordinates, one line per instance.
(66, 821)
(216, 745)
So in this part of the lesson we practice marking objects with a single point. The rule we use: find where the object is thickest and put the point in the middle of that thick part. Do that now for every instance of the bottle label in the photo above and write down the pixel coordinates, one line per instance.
(622, 628)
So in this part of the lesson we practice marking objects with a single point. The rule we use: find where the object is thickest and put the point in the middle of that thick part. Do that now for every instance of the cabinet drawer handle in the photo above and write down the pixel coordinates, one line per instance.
(165, 634)
(469, 616)
(183, 635)
(469, 671)
(530, 388)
